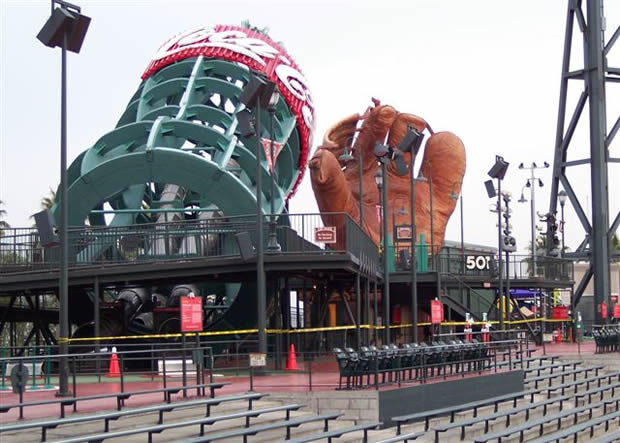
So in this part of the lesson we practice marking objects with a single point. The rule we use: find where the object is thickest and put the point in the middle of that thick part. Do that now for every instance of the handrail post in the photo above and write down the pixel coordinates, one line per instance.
(3, 366)
(74, 382)
(120, 357)
(184, 364)
(251, 378)
(164, 368)
(34, 368)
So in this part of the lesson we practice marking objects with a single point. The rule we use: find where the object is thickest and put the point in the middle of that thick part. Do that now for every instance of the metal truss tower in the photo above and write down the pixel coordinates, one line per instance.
(595, 75)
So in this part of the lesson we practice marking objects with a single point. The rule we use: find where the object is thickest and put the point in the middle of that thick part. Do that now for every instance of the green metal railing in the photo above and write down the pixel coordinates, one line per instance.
(20, 249)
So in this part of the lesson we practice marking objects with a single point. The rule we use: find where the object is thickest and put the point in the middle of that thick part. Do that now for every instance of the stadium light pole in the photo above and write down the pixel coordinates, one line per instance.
(411, 143)
(382, 181)
(498, 171)
(272, 243)
(531, 182)
(562, 197)
(257, 93)
(65, 28)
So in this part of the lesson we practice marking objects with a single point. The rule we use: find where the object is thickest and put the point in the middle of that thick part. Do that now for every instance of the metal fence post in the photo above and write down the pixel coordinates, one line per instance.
(184, 364)
(122, 372)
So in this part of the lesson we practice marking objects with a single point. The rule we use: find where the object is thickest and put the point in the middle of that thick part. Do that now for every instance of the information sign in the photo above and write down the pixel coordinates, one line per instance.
(258, 360)
(326, 234)
(436, 312)
(191, 314)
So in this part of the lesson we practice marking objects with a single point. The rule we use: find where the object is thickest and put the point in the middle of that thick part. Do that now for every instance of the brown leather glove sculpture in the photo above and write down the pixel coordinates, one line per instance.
(337, 189)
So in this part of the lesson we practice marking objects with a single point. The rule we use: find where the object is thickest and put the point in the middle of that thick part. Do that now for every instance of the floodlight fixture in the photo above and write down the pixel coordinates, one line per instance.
(381, 150)
(258, 89)
(66, 26)
(412, 141)
(499, 168)
(399, 161)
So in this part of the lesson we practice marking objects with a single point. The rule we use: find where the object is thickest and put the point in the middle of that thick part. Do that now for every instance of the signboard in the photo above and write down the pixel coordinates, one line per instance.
(486, 284)
(403, 232)
(436, 312)
(191, 314)
(560, 313)
(258, 360)
(617, 311)
(478, 262)
(325, 235)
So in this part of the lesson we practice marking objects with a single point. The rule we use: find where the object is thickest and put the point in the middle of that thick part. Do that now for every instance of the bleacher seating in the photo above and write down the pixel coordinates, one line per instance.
(392, 364)
(543, 416)
(607, 339)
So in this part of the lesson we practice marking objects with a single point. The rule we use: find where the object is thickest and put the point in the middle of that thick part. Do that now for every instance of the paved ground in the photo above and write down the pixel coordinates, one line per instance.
(324, 378)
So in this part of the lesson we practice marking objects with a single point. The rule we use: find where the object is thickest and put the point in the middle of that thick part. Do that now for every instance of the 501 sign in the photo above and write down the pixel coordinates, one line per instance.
(478, 262)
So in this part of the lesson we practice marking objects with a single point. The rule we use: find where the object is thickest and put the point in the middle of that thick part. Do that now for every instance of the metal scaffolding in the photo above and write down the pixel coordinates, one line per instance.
(595, 75)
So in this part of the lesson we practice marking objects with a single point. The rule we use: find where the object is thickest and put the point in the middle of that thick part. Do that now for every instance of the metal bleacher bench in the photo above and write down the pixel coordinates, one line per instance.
(608, 438)
(202, 421)
(552, 366)
(427, 415)
(110, 416)
(541, 422)
(600, 390)
(337, 433)
(506, 413)
(527, 361)
(573, 372)
(403, 437)
(576, 429)
(246, 432)
(120, 397)
(597, 379)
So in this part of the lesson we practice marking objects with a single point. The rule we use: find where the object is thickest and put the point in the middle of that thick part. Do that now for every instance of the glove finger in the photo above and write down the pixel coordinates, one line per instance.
(444, 160)
(331, 190)
(337, 136)
(399, 129)
(374, 129)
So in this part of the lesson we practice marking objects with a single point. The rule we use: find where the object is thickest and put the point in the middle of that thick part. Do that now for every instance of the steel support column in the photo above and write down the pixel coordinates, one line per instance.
(594, 75)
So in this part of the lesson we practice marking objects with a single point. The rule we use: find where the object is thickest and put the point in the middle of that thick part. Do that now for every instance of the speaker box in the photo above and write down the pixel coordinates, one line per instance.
(490, 188)
(257, 87)
(499, 168)
(46, 225)
(63, 21)
(245, 246)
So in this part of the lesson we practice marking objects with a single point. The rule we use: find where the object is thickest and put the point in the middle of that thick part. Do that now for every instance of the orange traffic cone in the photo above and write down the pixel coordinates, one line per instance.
(115, 369)
(291, 362)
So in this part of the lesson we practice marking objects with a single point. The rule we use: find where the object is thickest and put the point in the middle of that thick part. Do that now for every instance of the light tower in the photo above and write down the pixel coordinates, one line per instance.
(594, 75)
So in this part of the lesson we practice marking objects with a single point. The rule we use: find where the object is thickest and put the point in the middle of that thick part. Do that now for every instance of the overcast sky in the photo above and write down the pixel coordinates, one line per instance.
(488, 70)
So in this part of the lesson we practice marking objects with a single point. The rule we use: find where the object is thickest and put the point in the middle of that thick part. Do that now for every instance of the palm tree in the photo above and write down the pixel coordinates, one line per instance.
(48, 201)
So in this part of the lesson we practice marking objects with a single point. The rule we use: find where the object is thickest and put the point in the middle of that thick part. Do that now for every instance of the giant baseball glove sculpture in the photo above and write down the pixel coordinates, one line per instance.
(337, 189)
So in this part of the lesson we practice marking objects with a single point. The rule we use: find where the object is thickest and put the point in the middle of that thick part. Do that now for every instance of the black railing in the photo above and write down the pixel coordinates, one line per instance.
(20, 249)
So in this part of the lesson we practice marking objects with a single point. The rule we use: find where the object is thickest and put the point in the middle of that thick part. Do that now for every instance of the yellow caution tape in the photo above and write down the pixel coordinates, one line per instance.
(300, 331)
